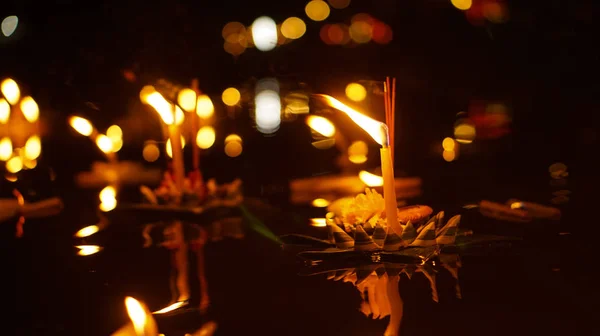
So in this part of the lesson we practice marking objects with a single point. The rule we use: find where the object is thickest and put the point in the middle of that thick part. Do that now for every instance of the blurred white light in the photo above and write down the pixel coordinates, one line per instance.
(9, 25)
(268, 111)
(264, 33)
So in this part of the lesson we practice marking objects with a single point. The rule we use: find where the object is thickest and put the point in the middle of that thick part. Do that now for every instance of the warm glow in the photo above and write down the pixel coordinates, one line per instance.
(151, 152)
(358, 148)
(30, 109)
(449, 144)
(264, 33)
(6, 149)
(320, 202)
(462, 4)
(361, 31)
(9, 25)
(81, 125)
(317, 10)
(204, 107)
(449, 156)
(104, 143)
(233, 145)
(162, 106)
(370, 180)
(231, 96)
(87, 231)
(293, 28)
(339, 4)
(356, 92)
(33, 147)
(4, 111)
(268, 111)
(233, 138)
(85, 250)
(517, 205)
(146, 92)
(168, 148)
(14, 165)
(179, 116)
(377, 130)
(115, 133)
(318, 222)
(464, 133)
(137, 314)
(29, 164)
(108, 198)
(357, 159)
(117, 145)
(321, 125)
(187, 100)
(205, 137)
(170, 308)
(11, 91)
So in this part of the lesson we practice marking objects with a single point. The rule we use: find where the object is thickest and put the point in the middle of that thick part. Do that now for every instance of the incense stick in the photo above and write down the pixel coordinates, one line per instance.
(393, 117)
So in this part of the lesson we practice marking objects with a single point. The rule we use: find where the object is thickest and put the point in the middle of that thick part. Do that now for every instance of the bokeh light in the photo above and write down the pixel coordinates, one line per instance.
(81, 125)
(233, 145)
(357, 152)
(464, 132)
(9, 25)
(87, 231)
(264, 33)
(33, 147)
(30, 109)
(14, 164)
(151, 152)
(204, 107)
(267, 106)
(320, 202)
(104, 143)
(206, 137)
(4, 111)
(169, 149)
(339, 4)
(231, 96)
(321, 125)
(382, 33)
(10, 90)
(449, 156)
(115, 133)
(335, 34)
(6, 149)
(86, 250)
(293, 28)
(462, 4)
(361, 30)
(356, 92)
(317, 10)
(318, 222)
(187, 99)
(449, 144)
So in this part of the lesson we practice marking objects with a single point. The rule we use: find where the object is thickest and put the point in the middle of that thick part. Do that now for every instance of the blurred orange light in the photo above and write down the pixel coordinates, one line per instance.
(462, 4)
(293, 28)
(339, 4)
(317, 10)
(361, 31)
(449, 156)
(448, 144)
(382, 33)
(356, 92)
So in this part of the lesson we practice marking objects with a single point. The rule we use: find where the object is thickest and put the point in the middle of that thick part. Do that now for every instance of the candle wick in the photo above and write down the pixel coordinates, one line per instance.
(385, 136)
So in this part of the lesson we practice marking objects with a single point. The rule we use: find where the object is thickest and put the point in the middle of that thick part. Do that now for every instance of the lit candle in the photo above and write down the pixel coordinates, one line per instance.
(142, 321)
(379, 132)
(104, 143)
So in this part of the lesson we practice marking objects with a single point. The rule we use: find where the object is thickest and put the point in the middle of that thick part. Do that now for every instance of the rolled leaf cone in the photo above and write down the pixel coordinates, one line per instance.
(392, 241)
(409, 234)
(439, 219)
(409, 270)
(341, 238)
(367, 226)
(351, 277)
(379, 235)
(380, 272)
(339, 275)
(362, 273)
(362, 241)
(392, 269)
(429, 273)
(426, 237)
(330, 224)
(447, 234)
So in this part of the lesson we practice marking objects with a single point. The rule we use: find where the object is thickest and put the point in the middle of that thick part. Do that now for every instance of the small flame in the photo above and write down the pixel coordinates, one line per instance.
(33, 148)
(162, 106)
(318, 222)
(137, 314)
(321, 125)
(170, 308)
(320, 202)
(86, 250)
(104, 143)
(4, 111)
(6, 149)
(370, 180)
(11, 91)
(377, 130)
(81, 125)
(87, 231)
(30, 109)
(108, 198)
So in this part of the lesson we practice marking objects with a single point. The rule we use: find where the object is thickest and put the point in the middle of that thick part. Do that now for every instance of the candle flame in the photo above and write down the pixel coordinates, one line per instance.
(376, 129)
(87, 231)
(4, 111)
(370, 180)
(318, 222)
(6, 149)
(162, 107)
(86, 250)
(33, 148)
(104, 143)
(320, 202)
(81, 125)
(321, 125)
(108, 198)
(170, 308)
(137, 314)
(10, 90)
(30, 109)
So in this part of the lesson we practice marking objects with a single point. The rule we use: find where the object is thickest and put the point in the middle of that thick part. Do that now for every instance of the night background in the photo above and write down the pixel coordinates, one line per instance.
(537, 61)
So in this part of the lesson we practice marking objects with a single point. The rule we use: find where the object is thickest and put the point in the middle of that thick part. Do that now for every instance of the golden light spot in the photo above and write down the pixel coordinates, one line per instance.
(33, 147)
(4, 111)
(87, 231)
(320, 202)
(115, 133)
(85, 250)
(233, 149)
(179, 116)
(81, 125)
(151, 152)
(321, 125)
(204, 107)
(161, 106)
(358, 148)
(187, 99)
(10, 90)
(264, 33)
(339, 4)
(6, 149)
(449, 156)
(14, 165)
(11, 177)
(108, 192)
(169, 149)
(108, 198)
(517, 205)
(356, 92)
(104, 143)
(462, 4)
(558, 170)
(30, 109)
(317, 10)
(205, 137)
(369, 179)
(464, 133)
(146, 92)
(382, 33)
(231, 96)
(117, 145)
(318, 222)
(449, 144)
(293, 28)
(232, 28)
(29, 164)
(361, 31)
(234, 48)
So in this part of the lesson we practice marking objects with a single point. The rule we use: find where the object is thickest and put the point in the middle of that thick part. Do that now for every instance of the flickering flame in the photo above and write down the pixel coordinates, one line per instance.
(162, 106)
(170, 308)
(4, 111)
(86, 250)
(369, 179)
(11, 91)
(33, 148)
(137, 314)
(169, 149)
(104, 143)
(204, 107)
(377, 130)
(87, 231)
(320, 202)
(108, 198)
(318, 222)
(14, 165)
(6, 149)
(30, 109)
(81, 125)
(187, 100)
(321, 125)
